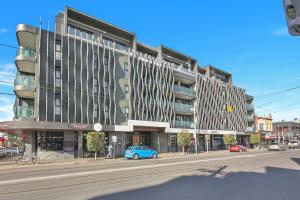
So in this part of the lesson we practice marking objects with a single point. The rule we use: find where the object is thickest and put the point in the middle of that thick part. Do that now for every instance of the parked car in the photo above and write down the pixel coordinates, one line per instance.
(276, 147)
(8, 151)
(293, 144)
(2, 152)
(237, 148)
(136, 152)
(15, 151)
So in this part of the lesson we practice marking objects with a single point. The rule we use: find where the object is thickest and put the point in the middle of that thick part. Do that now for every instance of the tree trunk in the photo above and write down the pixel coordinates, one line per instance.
(182, 149)
(95, 155)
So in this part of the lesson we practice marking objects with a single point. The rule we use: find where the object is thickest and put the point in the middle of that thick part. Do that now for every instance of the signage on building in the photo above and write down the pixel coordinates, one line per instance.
(114, 138)
(97, 127)
(79, 126)
(229, 108)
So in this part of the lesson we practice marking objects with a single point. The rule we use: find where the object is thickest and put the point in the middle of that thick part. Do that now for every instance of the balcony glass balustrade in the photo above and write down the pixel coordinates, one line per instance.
(183, 107)
(26, 81)
(24, 112)
(184, 90)
(26, 52)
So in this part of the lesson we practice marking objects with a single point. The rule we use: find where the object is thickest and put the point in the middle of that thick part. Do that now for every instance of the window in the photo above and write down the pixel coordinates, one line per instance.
(58, 50)
(96, 109)
(95, 86)
(126, 69)
(126, 90)
(127, 112)
(106, 108)
(105, 63)
(80, 33)
(50, 141)
(57, 77)
(173, 140)
(106, 88)
(261, 126)
(57, 104)
(95, 61)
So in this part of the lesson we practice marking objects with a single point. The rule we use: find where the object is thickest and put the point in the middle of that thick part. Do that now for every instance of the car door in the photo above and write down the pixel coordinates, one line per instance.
(146, 152)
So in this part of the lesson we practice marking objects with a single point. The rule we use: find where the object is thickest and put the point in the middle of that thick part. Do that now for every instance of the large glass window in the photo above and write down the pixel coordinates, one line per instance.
(173, 140)
(105, 63)
(58, 50)
(50, 141)
(57, 77)
(80, 33)
(57, 104)
(95, 86)
(96, 110)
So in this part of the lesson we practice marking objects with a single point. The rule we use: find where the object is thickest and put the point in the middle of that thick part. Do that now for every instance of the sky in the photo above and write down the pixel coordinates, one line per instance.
(246, 38)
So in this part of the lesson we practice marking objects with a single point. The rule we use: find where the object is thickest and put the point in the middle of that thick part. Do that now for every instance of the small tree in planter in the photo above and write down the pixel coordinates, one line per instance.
(95, 142)
(229, 140)
(255, 139)
(184, 139)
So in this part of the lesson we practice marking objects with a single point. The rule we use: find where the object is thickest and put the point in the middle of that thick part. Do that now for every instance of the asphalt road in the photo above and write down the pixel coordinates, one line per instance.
(252, 175)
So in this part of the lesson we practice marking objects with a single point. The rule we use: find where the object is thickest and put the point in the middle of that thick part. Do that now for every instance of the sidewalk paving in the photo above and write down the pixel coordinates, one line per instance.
(12, 164)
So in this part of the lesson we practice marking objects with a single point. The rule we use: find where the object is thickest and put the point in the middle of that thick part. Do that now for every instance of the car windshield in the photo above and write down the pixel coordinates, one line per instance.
(274, 143)
(14, 148)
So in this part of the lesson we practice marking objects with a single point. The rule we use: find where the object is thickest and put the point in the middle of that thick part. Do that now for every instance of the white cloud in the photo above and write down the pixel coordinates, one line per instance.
(283, 31)
(6, 109)
(8, 69)
(3, 30)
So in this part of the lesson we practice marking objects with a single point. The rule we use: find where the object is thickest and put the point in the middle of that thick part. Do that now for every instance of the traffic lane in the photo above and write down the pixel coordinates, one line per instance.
(39, 170)
(113, 181)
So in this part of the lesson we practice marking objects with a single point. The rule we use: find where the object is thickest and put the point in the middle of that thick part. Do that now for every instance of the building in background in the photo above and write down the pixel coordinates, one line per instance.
(263, 126)
(88, 71)
(286, 130)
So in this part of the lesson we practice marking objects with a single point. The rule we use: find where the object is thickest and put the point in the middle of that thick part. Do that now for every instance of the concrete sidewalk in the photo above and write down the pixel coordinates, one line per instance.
(12, 164)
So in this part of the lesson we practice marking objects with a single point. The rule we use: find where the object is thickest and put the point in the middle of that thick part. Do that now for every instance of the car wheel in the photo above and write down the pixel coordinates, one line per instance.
(154, 155)
(136, 157)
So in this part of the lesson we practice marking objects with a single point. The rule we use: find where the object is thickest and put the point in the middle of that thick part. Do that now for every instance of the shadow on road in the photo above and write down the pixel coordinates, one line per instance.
(275, 184)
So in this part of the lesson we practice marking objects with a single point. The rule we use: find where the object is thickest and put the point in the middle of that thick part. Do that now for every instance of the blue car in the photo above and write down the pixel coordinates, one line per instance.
(136, 152)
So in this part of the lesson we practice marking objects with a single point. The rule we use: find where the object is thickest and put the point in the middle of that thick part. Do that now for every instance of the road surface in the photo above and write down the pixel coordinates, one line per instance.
(246, 175)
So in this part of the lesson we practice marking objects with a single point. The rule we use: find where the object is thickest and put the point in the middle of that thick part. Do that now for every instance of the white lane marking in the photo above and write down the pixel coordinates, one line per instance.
(121, 169)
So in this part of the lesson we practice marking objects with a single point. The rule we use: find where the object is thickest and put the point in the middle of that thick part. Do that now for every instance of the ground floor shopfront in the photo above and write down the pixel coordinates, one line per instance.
(53, 141)
(52, 145)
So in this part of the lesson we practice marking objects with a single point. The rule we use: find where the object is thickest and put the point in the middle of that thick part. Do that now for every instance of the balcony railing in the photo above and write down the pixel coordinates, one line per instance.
(250, 117)
(183, 107)
(24, 112)
(184, 90)
(27, 81)
(250, 107)
(184, 124)
(182, 69)
(250, 129)
(22, 51)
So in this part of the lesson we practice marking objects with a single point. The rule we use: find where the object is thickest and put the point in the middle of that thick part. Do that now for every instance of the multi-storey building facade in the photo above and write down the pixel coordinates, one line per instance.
(88, 71)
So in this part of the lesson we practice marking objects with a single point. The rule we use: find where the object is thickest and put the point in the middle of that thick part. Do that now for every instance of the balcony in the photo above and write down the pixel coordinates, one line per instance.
(250, 107)
(250, 117)
(184, 92)
(23, 112)
(181, 108)
(26, 36)
(184, 124)
(24, 86)
(250, 129)
(25, 60)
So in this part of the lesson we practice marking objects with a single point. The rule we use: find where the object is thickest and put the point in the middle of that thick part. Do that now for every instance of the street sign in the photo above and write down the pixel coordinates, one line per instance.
(97, 127)
(292, 15)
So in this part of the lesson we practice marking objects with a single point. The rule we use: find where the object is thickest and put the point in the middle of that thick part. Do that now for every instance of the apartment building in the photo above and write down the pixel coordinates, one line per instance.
(88, 71)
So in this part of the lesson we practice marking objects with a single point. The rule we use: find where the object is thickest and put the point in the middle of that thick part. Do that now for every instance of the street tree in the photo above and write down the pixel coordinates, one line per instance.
(95, 142)
(229, 140)
(184, 139)
(255, 139)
